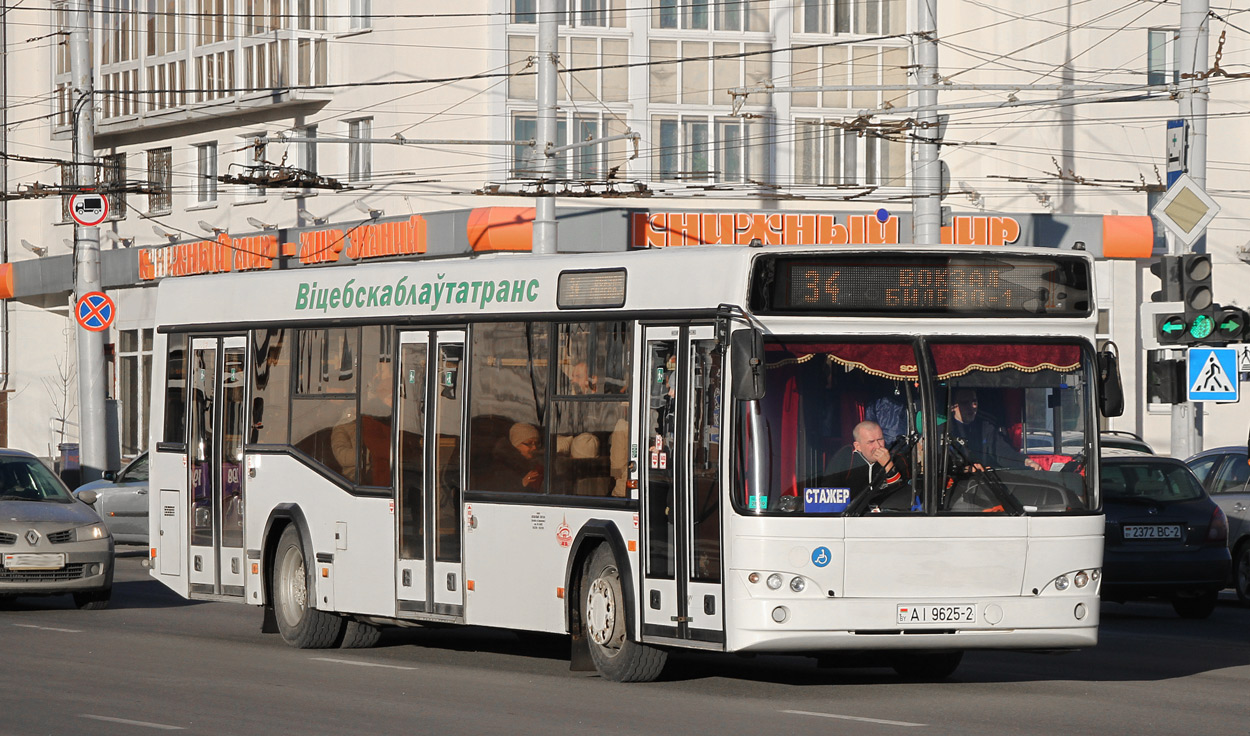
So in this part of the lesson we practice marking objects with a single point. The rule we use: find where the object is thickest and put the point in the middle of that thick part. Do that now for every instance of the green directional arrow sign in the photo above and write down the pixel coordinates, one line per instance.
(1231, 323)
(1171, 328)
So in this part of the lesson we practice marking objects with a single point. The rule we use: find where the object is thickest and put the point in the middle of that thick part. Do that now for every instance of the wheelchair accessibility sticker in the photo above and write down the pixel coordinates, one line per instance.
(821, 556)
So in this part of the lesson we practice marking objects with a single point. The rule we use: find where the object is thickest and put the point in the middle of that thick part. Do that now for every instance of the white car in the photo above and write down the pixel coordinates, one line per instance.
(50, 542)
(122, 501)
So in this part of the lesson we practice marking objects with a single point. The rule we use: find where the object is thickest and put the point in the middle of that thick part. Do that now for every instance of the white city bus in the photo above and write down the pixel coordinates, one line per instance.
(645, 451)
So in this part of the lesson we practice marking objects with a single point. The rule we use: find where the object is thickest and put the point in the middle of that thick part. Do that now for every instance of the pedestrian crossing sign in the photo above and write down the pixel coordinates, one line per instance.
(1213, 374)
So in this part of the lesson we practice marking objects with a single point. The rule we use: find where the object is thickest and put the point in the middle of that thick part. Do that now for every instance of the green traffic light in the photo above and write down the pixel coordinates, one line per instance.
(1202, 327)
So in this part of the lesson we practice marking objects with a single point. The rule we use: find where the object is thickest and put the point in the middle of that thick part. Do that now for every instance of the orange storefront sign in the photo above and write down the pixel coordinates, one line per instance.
(671, 229)
(257, 253)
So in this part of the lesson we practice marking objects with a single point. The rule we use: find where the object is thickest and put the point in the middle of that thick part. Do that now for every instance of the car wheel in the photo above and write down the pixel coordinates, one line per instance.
(94, 600)
(926, 666)
(1241, 572)
(616, 656)
(1200, 605)
(360, 635)
(300, 623)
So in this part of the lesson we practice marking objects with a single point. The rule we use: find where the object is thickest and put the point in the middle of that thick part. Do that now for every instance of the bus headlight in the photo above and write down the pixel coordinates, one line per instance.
(774, 581)
(1062, 583)
(1081, 579)
(798, 584)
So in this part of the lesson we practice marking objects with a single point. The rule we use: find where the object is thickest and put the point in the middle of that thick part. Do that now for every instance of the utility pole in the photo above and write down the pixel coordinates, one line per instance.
(1192, 58)
(92, 438)
(544, 238)
(926, 170)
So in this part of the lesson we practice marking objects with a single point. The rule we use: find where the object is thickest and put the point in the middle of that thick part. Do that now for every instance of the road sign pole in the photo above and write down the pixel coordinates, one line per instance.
(92, 426)
(1192, 56)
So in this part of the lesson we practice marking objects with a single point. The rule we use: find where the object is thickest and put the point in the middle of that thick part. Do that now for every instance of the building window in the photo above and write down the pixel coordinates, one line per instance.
(1161, 65)
(68, 179)
(361, 15)
(310, 15)
(160, 178)
(849, 16)
(308, 148)
(114, 185)
(360, 150)
(735, 15)
(134, 376)
(825, 154)
(729, 15)
(696, 148)
(252, 157)
(206, 173)
(525, 128)
(162, 27)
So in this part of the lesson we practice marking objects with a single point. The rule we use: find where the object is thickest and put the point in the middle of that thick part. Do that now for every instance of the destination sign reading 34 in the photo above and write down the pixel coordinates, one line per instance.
(931, 285)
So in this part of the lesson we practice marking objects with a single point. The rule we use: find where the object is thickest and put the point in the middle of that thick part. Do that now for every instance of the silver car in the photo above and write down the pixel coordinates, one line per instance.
(50, 542)
(122, 501)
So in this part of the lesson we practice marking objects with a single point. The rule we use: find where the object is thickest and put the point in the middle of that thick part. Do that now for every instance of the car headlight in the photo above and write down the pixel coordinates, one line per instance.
(92, 531)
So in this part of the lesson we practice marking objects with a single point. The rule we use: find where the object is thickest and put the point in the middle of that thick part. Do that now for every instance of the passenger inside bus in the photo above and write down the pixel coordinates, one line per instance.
(373, 463)
(518, 461)
(980, 438)
(867, 466)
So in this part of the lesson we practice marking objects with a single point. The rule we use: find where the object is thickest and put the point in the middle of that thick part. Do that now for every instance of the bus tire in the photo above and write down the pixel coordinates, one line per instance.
(360, 635)
(300, 623)
(616, 656)
(926, 666)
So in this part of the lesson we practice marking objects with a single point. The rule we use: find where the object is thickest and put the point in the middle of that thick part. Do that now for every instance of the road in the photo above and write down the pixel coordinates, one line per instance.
(153, 663)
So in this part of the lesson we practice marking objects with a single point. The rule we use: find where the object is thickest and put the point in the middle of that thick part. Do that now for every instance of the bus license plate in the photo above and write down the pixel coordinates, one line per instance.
(1152, 531)
(938, 613)
(34, 561)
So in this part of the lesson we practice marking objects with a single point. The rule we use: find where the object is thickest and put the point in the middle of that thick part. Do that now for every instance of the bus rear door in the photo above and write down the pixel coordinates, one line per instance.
(681, 508)
(218, 380)
(429, 573)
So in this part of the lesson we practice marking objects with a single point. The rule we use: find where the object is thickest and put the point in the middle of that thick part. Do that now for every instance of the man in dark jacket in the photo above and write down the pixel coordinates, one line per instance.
(982, 441)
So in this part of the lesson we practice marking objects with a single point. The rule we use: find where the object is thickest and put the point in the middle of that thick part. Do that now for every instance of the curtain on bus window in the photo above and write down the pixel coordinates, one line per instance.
(957, 360)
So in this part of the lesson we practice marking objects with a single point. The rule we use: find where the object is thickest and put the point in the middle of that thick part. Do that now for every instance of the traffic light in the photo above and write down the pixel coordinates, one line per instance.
(1196, 294)
(1168, 269)
(1231, 325)
(1165, 379)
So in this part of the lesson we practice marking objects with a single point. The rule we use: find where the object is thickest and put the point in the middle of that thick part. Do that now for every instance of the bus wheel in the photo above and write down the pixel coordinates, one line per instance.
(301, 625)
(926, 666)
(616, 656)
(360, 635)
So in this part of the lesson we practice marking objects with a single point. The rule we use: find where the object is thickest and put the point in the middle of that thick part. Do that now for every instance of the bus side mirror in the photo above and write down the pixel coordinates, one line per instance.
(746, 360)
(1110, 390)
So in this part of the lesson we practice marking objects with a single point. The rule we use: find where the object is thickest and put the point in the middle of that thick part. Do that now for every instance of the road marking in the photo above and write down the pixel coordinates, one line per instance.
(128, 722)
(855, 718)
(48, 628)
(362, 664)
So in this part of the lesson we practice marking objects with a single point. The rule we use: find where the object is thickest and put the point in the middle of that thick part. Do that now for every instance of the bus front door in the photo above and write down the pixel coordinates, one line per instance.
(681, 594)
(218, 380)
(430, 391)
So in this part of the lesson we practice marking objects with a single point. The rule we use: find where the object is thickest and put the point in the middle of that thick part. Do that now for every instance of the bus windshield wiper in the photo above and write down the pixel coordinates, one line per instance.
(993, 480)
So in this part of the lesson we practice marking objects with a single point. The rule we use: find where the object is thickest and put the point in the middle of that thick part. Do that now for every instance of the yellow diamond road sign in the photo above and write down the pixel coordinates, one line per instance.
(1186, 210)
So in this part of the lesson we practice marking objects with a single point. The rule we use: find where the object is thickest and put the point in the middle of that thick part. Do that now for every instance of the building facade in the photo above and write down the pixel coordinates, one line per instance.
(399, 128)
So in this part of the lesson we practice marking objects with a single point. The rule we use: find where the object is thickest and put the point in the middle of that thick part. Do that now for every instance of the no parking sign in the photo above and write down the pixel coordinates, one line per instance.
(95, 311)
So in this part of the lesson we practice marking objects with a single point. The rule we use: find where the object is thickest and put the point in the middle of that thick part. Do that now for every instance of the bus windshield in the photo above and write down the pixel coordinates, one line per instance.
(842, 429)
